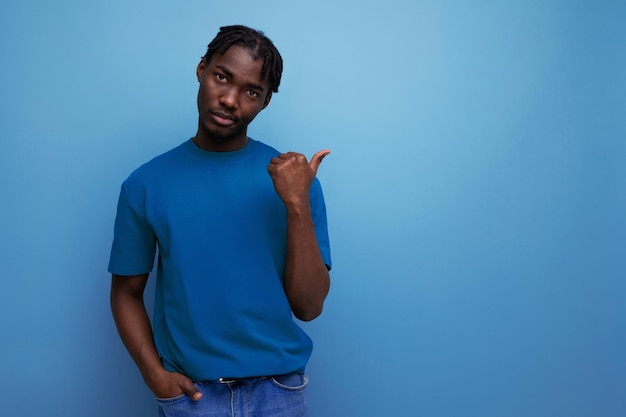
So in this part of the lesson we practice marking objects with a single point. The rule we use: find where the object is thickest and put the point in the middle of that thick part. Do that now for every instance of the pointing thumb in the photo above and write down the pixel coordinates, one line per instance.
(316, 160)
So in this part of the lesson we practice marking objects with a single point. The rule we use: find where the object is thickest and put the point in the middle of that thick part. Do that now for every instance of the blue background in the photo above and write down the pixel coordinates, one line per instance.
(475, 191)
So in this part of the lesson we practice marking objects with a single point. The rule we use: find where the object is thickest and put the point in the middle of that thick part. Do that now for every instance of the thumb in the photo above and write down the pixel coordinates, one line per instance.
(190, 390)
(316, 160)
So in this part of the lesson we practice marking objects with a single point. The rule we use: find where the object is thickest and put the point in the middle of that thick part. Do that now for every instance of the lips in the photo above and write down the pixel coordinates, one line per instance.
(222, 118)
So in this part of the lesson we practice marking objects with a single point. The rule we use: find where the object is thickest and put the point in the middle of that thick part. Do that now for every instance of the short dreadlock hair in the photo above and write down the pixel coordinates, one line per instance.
(254, 41)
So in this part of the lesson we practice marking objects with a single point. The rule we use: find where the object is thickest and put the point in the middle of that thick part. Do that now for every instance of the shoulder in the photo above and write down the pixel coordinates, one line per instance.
(158, 166)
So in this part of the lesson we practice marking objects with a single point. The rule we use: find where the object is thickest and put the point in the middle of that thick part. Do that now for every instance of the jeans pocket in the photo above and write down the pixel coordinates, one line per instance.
(290, 382)
(171, 400)
(180, 406)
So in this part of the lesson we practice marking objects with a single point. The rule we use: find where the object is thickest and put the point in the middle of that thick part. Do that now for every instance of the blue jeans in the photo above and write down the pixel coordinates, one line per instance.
(277, 396)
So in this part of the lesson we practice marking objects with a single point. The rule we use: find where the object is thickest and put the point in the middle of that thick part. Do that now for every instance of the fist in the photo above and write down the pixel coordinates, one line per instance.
(292, 175)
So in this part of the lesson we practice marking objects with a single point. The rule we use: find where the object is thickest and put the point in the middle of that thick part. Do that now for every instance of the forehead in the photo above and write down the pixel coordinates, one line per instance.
(240, 64)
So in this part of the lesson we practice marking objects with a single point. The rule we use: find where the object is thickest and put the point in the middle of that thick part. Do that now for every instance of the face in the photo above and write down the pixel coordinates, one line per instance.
(231, 94)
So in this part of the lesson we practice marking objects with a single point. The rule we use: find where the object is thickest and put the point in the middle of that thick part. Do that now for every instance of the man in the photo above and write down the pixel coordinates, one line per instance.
(242, 247)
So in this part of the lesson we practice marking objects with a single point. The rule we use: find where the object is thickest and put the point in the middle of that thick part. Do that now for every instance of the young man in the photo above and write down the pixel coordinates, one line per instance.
(242, 246)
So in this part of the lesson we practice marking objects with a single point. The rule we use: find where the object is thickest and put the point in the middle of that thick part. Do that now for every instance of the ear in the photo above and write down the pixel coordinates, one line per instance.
(268, 97)
(200, 69)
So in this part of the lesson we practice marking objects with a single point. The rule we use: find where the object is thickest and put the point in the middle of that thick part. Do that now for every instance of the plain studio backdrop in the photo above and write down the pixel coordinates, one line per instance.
(476, 195)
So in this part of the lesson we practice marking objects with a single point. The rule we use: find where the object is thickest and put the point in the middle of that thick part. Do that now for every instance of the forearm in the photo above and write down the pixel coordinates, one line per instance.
(134, 327)
(133, 324)
(306, 276)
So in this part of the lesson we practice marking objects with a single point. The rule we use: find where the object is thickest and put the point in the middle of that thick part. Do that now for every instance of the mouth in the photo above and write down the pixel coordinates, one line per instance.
(223, 119)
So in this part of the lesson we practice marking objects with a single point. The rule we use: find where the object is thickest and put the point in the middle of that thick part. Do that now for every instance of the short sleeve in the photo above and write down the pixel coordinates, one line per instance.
(318, 212)
(134, 242)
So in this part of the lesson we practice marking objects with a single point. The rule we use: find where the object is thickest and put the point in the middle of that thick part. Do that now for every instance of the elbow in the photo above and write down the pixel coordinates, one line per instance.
(307, 303)
(308, 314)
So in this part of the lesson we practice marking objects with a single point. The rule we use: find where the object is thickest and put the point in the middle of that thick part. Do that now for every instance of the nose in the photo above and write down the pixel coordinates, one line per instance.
(228, 98)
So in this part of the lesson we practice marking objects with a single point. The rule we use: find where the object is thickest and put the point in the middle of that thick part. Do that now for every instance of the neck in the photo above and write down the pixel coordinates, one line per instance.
(214, 144)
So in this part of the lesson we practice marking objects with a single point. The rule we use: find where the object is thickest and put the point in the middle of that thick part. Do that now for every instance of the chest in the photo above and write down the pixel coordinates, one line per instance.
(220, 201)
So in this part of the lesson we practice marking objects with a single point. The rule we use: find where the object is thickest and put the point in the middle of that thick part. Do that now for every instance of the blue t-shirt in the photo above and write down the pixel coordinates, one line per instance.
(220, 228)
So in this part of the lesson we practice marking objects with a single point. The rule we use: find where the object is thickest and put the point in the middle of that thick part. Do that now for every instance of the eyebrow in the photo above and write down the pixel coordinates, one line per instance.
(229, 74)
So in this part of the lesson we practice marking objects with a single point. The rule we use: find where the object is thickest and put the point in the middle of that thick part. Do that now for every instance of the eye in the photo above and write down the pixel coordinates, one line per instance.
(220, 77)
(253, 93)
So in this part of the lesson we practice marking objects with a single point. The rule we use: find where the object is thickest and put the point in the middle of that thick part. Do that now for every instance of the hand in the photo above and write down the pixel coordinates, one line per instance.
(172, 384)
(292, 175)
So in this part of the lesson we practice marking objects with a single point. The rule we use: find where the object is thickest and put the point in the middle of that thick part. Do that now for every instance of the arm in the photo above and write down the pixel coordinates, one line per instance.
(134, 327)
(306, 277)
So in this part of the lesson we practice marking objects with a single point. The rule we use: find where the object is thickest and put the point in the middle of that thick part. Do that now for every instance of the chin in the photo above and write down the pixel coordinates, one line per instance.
(223, 135)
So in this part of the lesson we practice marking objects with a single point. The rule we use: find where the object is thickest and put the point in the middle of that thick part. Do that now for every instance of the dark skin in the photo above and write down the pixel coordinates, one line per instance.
(231, 94)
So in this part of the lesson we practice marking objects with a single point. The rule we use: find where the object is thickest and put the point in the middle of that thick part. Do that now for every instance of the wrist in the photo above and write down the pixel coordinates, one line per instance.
(153, 374)
(297, 209)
